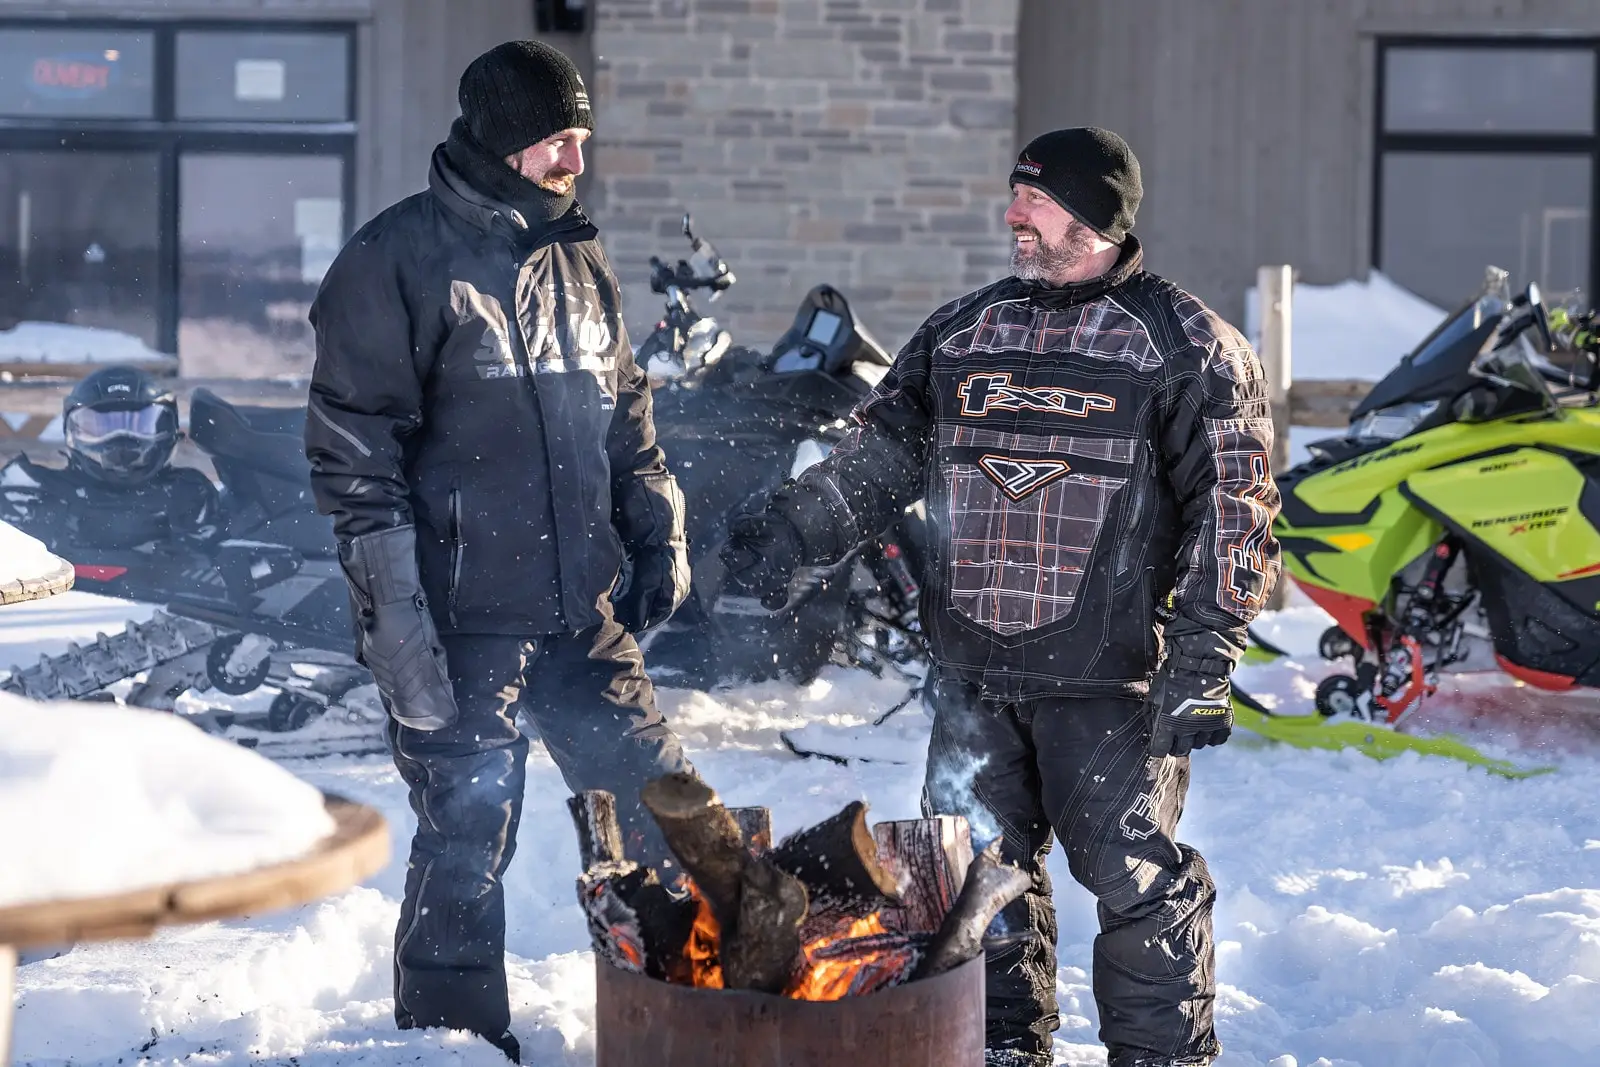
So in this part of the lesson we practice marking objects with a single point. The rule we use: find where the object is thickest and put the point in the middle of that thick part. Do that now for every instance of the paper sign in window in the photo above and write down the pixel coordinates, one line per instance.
(259, 79)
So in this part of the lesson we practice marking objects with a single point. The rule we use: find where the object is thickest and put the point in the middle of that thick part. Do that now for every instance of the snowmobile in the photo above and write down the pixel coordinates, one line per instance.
(1455, 527)
(259, 600)
(734, 421)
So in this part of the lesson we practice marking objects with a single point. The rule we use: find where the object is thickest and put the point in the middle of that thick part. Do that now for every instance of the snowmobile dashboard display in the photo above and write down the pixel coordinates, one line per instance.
(825, 337)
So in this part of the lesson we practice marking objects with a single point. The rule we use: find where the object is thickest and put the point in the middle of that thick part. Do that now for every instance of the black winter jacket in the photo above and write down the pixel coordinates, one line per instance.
(473, 376)
(1094, 462)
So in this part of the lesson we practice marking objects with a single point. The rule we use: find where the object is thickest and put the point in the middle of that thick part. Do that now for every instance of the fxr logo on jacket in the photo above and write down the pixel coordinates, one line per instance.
(982, 393)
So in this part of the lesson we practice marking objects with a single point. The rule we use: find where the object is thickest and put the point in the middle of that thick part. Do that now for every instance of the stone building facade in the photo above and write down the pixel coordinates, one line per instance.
(863, 143)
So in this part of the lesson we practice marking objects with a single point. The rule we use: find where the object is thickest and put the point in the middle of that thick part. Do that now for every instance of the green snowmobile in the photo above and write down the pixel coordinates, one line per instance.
(1454, 527)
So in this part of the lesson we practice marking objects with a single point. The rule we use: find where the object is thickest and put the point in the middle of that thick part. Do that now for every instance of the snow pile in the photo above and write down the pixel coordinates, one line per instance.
(60, 342)
(22, 556)
(98, 799)
(1352, 329)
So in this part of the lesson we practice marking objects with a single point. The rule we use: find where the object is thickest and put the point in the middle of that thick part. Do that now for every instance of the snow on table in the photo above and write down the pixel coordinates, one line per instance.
(97, 799)
(28, 570)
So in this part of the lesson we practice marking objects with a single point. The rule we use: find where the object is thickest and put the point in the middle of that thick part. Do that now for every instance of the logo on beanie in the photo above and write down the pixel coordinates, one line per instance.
(1029, 167)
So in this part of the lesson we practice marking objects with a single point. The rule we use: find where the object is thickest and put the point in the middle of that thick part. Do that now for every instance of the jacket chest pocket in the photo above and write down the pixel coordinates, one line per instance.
(1021, 535)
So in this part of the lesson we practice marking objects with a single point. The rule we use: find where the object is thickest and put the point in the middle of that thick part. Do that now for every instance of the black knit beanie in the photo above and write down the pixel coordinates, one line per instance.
(518, 93)
(1089, 171)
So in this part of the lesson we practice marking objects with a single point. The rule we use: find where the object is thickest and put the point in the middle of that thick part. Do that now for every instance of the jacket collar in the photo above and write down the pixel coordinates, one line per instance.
(1062, 297)
(491, 215)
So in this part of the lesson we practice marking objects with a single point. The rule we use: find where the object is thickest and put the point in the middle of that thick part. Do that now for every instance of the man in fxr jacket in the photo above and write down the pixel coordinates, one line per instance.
(482, 437)
(1092, 445)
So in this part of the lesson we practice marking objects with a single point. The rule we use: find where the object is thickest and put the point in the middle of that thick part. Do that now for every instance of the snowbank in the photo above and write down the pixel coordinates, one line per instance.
(22, 556)
(1350, 330)
(60, 342)
(98, 799)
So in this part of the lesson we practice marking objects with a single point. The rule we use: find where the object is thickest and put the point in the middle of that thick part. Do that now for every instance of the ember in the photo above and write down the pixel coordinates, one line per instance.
(832, 912)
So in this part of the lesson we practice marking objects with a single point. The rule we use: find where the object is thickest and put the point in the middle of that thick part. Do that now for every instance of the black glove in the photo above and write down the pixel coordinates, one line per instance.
(652, 585)
(762, 553)
(1191, 701)
(396, 639)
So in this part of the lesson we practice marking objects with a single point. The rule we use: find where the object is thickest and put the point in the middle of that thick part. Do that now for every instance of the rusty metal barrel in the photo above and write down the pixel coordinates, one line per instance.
(936, 1022)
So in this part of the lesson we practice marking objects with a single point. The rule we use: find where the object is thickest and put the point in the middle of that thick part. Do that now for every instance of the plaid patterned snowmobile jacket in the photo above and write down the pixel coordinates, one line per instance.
(1094, 461)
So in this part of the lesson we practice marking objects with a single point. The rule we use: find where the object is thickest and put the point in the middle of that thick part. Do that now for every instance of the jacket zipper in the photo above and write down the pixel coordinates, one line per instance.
(458, 550)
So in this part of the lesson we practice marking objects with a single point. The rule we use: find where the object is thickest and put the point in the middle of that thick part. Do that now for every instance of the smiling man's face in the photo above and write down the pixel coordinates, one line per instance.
(1048, 243)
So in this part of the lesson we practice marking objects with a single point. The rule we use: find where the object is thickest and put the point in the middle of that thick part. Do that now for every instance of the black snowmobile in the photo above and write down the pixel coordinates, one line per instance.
(248, 578)
(734, 422)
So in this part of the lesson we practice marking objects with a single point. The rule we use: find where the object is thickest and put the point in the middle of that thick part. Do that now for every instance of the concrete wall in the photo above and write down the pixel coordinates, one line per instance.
(1252, 119)
(864, 143)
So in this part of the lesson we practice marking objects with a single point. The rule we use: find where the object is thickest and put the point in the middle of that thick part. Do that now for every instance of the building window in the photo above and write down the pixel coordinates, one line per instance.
(173, 188)
(1486, 154)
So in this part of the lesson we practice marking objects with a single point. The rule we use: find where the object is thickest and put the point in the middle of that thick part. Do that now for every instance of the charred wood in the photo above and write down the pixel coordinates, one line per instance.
(989, 886)
(594, 813)
(755, 828)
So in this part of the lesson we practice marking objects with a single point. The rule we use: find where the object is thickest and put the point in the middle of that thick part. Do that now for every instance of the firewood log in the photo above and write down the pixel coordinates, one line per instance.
(990, 885)
(928, 859)
(594, 813)
(764, 950)
(755, 828)
(837, 860)
(704, 837)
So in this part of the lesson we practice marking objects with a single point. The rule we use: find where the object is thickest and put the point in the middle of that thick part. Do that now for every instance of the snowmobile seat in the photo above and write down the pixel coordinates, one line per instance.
(259, 456)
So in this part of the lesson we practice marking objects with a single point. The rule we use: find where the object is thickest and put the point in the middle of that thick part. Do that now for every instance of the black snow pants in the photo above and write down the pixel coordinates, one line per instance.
(1079, 767)
(589, 700)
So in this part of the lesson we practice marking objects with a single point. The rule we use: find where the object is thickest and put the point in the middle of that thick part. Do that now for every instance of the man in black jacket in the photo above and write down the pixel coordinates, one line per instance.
(1092, 445)
(482, 437)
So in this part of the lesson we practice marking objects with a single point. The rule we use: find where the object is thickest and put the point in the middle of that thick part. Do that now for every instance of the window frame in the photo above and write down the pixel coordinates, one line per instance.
(170, 137)
(1493, 142)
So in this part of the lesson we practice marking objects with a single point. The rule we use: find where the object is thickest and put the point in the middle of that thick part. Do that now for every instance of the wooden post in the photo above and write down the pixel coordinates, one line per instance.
(1275, 298)
(8, 998)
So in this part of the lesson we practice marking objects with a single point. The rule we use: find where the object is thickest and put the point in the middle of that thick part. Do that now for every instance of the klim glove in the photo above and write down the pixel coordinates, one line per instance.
(762, 553)
(396, 638)
(1191, 701)
(651, 587)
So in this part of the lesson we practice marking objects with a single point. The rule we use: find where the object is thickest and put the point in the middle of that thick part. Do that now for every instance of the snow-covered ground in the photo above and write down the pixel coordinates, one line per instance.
(1416, 913)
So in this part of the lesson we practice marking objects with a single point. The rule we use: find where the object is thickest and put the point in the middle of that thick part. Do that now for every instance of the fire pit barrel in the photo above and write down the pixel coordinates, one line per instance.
(935, 1022)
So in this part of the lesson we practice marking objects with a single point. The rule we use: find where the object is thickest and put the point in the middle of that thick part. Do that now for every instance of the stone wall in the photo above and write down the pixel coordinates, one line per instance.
(864, 143)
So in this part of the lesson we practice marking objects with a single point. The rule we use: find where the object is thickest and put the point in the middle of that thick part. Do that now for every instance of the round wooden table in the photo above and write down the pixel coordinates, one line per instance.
(358, 847)
(37, 586)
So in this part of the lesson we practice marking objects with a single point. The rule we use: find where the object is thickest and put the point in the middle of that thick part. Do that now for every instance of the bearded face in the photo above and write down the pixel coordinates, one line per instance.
(1037, 258)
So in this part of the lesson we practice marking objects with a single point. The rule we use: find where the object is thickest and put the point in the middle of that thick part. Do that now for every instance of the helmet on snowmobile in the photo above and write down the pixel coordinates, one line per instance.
(121, 425)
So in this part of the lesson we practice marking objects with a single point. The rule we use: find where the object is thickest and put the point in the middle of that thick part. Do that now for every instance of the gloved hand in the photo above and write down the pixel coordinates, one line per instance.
(762, 553)
(396, 638)
(652, 586)
(1191, 700)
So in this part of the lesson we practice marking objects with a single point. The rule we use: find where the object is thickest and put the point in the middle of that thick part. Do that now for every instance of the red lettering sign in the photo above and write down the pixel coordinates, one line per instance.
(70, 74)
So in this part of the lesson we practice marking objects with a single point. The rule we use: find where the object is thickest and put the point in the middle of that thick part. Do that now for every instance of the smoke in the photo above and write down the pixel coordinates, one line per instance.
(952, 790)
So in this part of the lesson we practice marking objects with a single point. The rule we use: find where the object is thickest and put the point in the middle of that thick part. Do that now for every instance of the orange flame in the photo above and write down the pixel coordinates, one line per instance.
(831, 979)
(702, 949)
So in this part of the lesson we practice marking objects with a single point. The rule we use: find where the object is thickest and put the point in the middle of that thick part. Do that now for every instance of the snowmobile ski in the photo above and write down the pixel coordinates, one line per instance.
(1369, 738)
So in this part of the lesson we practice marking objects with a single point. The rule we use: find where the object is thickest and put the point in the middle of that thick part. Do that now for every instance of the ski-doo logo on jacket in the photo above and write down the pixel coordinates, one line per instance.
(983, 393)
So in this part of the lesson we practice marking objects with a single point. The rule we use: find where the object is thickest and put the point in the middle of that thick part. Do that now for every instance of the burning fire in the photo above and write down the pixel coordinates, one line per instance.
(858, 958)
